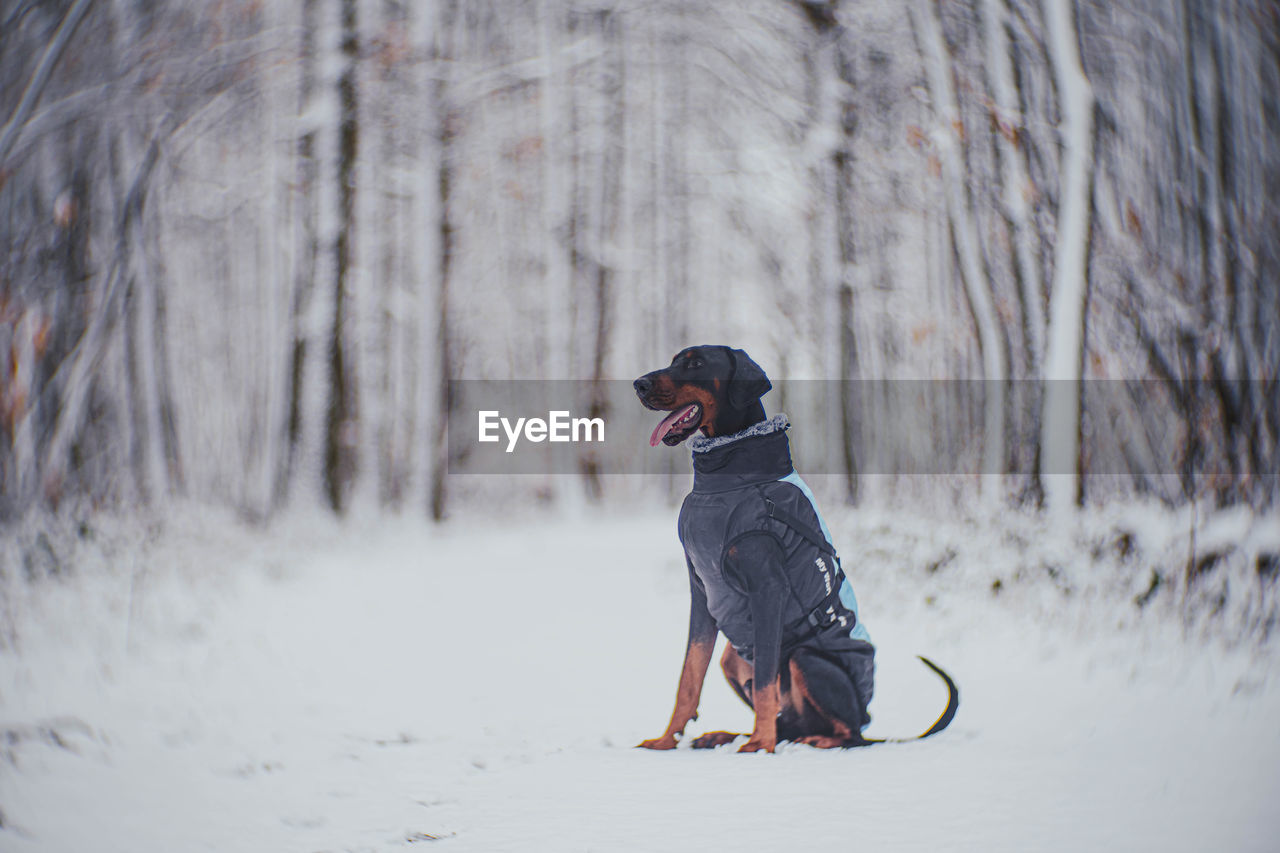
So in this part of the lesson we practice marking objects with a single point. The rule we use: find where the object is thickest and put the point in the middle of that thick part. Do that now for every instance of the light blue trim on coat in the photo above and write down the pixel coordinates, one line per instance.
(794, 479)
(847, 598)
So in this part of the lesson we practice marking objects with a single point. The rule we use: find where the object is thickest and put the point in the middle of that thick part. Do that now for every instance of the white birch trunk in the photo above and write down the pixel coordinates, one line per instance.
(23, 363)
(824, 253)
(948, 139)
(1064, 353)
(320, 117)
(371, 296)
(423, 259)
(276, 265)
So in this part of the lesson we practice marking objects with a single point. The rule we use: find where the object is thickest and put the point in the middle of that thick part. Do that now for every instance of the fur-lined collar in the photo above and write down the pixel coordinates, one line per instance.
(777, 423)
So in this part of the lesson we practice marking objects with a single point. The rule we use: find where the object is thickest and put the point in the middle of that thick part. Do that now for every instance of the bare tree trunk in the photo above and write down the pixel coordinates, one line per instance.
(677, 224)
(557, 279)
(373, 286)
(843, 177)
(613, 142)
(444, 110)
(850, 416)
(173, 478)
(397, 230)
(1009, 121)
(342, 417)
(825, 100)
(305, 382)
(659, 318)
(146, 352)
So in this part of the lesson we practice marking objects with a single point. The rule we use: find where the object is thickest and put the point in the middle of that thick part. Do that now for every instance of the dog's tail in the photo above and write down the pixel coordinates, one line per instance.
(953, 702)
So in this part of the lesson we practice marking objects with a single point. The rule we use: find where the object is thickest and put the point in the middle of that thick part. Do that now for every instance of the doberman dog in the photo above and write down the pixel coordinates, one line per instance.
(762, 568)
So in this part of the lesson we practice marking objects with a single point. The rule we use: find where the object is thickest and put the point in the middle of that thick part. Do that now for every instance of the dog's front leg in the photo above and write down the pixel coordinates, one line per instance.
(697, 658)
(756, 562)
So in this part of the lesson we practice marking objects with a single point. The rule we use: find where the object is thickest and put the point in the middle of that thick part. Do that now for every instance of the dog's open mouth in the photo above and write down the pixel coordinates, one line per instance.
(677, 426)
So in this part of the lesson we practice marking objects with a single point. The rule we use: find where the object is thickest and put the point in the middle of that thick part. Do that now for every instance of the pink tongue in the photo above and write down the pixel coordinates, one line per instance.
(661, 430)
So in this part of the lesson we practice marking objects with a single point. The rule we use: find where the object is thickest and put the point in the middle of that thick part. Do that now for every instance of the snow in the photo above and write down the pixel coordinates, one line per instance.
(384, 683)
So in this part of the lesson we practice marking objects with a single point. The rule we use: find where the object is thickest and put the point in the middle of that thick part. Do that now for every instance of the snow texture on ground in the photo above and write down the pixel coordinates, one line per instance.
(384, 684)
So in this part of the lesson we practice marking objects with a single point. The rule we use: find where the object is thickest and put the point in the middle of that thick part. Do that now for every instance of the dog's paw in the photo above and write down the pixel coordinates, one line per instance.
(713, 739)
(754, 745)
(664, 742)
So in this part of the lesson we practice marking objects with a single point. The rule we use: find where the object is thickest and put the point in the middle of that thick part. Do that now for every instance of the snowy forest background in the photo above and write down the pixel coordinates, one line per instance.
(1011, 264)
(247, 245)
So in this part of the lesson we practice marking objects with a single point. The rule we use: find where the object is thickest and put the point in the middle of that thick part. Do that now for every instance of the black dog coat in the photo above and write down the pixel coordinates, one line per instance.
(750, 513)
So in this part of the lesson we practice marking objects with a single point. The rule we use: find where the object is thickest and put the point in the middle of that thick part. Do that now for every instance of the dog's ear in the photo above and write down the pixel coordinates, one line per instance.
(747, 382)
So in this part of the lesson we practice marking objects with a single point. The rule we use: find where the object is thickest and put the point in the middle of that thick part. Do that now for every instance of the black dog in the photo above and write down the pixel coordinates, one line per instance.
(762, 568)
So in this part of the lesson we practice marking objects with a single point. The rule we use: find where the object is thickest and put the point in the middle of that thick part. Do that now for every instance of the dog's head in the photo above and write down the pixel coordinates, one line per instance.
(713, 388)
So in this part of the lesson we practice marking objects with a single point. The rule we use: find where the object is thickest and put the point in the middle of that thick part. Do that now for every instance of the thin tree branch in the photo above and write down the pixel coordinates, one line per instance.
(35, 87)
(87, 352)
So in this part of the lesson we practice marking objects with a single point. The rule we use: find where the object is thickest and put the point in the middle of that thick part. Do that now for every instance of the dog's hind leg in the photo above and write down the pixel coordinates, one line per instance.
(739, 674)
(821, 706)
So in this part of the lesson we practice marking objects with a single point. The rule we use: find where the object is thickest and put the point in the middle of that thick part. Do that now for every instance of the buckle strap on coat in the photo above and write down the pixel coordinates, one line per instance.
(816, 539)
(825, 613)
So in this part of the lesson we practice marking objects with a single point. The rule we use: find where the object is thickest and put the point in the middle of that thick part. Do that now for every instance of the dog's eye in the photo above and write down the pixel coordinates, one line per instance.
(694, 363)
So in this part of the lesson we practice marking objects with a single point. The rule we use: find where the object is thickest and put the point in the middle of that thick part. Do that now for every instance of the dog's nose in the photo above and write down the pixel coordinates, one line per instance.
(643, 385)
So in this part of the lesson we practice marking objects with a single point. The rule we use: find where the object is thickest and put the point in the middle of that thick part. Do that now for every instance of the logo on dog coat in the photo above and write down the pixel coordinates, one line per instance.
(826, 575)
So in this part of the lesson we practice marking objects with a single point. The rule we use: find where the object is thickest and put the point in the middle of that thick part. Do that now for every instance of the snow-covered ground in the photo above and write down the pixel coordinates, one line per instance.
(384, 684)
